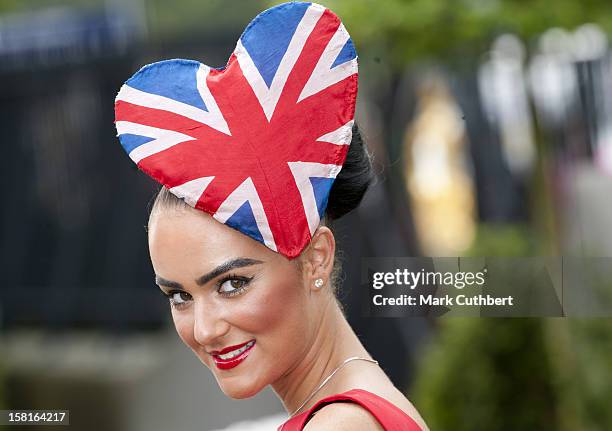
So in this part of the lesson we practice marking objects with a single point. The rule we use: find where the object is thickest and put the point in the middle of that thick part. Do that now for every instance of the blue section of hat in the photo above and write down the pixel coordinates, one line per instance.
(130, 141)
(182, 86)
(347, 53)
(321, 187)
(244, 220)
(266, 39)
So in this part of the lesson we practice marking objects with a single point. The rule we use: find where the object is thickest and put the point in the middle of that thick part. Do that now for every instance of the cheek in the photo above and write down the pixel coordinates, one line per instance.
(183, 323)
(275, 312)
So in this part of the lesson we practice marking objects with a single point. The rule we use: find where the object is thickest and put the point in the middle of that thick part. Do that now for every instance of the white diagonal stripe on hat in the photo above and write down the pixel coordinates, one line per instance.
(302, 172)
(268, 97)
(162, 138)
(323, 75)
(191, 191)
(340, 136)
(246, 192)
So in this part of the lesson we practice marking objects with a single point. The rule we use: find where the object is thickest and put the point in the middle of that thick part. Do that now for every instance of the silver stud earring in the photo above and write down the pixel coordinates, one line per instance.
(318, 283)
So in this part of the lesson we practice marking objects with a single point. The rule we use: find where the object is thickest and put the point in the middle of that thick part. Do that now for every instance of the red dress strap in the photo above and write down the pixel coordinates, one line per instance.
(391, 417)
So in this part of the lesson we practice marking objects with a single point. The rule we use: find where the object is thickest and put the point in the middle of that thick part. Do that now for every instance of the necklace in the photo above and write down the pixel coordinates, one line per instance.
(328, 378)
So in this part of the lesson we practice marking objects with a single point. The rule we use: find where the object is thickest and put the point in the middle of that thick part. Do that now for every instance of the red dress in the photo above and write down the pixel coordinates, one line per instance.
(391, 417)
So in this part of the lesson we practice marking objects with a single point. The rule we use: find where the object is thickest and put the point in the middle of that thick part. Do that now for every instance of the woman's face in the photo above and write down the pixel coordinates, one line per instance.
(226, 291)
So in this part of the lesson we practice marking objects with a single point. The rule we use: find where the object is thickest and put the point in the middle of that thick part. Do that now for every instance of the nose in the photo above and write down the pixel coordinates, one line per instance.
(208, 325)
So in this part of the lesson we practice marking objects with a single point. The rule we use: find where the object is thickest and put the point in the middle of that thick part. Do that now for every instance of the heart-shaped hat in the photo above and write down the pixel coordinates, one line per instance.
(256, 144)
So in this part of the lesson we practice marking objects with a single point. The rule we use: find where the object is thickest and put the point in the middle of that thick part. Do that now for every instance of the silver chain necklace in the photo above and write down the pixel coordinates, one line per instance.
(327, 379)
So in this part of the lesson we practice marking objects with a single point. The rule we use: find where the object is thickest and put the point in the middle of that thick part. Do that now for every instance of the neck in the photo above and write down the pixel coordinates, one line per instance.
(334, 341)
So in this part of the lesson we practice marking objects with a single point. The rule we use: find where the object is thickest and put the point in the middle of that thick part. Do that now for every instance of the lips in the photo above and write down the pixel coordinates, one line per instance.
(232, 356)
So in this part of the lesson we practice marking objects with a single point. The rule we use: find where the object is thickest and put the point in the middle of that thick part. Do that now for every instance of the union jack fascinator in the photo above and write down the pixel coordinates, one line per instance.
(258, 143)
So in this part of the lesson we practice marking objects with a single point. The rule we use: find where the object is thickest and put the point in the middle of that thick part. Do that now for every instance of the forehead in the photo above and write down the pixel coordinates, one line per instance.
(188, 240)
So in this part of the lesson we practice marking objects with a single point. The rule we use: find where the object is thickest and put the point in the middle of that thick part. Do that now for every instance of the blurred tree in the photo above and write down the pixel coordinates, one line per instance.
(165, 20)
(8, 5)
(412, 30)
(487, 374)
(407, 30)
(195, 17)
(580, 352)
(31, 5)
(490, 373)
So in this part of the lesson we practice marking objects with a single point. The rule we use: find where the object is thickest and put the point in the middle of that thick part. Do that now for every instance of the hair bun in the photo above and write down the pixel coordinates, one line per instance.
(353, 180)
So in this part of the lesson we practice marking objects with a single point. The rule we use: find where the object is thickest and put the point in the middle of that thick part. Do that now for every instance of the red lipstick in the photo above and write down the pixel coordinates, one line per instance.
(231, 362)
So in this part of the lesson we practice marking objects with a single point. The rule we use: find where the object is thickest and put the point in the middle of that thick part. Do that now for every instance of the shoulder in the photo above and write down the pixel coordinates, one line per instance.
(343, 416)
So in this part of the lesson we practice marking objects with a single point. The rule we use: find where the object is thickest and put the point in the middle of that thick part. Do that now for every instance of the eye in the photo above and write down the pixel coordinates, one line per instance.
(178, 298)
(233, 285)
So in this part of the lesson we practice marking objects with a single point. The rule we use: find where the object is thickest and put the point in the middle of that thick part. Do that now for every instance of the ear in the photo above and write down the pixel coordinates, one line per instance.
(318, 259)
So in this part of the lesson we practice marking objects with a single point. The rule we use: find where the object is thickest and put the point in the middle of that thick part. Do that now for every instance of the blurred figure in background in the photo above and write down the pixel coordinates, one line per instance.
(437, 172)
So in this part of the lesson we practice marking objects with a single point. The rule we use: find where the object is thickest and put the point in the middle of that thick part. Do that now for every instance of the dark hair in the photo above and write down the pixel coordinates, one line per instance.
(352, 181)
(345, 195)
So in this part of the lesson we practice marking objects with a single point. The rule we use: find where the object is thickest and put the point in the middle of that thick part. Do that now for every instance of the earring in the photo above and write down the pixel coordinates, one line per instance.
(318, 283)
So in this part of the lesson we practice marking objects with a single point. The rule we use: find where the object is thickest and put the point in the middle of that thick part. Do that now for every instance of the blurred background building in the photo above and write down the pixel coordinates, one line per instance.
(490, 122)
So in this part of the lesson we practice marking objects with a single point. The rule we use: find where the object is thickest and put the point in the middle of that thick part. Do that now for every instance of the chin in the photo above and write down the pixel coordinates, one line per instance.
(239, 388)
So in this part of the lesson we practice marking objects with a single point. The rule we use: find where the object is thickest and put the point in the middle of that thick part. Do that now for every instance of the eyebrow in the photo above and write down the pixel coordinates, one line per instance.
(240, 262)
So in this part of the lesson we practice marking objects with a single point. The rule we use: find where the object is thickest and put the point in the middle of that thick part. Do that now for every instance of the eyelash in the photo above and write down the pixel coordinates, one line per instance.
(236, 292)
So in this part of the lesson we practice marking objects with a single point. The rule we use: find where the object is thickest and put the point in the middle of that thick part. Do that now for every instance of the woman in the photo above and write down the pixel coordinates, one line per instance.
(256, 160)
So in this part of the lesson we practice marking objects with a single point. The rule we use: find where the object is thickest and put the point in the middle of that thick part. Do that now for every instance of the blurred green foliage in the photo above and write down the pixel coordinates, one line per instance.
(400, 31)
(196, 17)
(166, 20)
(487, 374)
(18, 6)
(443, 30)
(504, 240)
(581, 353)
